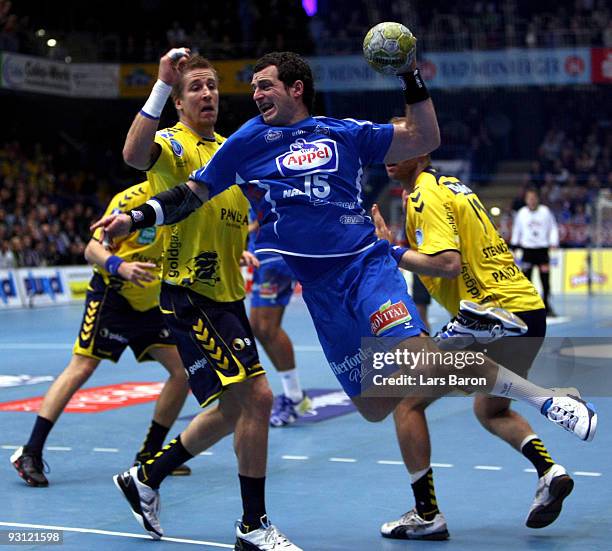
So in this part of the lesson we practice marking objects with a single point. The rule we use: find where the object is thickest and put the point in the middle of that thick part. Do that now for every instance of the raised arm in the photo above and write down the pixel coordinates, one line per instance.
(420, 133)
(140, 150)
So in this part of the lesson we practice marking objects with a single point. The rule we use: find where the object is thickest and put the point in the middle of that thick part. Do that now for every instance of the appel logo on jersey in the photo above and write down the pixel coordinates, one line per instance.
(388, 316)
(307, 157)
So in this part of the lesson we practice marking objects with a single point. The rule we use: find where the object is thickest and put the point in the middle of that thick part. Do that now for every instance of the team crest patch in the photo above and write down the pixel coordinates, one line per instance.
(388, 316)
(306, 157)
(273, 135)
(177, 148)
(418, 234)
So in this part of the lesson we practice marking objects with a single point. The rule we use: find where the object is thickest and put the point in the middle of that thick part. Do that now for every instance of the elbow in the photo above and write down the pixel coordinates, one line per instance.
(434, 140)
(452, 268)
(131, 158)
(88, 254)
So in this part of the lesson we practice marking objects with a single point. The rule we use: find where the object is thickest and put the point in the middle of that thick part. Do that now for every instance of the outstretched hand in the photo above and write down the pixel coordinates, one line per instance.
(113, 226)
(382, 231)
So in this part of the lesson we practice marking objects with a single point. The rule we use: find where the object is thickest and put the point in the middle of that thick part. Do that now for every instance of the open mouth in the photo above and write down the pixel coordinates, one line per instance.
(208, 109)
(265, 107)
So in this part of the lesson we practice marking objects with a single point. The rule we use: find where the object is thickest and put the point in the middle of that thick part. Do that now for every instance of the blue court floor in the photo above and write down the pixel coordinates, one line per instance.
(330, 484)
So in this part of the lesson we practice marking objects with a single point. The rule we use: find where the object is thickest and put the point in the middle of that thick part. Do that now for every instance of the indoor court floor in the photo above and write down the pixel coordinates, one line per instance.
(330, 483)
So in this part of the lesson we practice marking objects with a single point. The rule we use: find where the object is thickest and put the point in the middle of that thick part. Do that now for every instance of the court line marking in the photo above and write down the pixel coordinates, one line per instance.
(296, 457)
(389, 462)
(586, 473)
(342, 460)
(58, 448)
(205, 453)
(111, 533)
(487, 468)
(106, 450)
(443, 465)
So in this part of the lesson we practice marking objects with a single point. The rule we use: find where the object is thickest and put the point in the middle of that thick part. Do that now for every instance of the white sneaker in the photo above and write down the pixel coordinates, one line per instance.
(411, 526)
(573, 414)
(478, 323)
(266, 538)
(552, 489)
(142, 499)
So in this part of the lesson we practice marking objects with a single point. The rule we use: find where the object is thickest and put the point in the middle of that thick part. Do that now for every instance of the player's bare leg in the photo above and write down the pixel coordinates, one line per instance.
(28, 459)
(266, 325)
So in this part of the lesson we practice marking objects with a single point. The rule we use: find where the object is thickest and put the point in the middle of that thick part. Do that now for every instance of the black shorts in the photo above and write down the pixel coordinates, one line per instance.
(110, 324)
(518, 353)
(420, 294)
(214, 340)
(535, 257)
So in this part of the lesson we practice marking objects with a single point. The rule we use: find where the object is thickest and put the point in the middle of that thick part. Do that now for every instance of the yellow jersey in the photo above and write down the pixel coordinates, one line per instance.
(145, 245)
(203, 251)
(442, 214)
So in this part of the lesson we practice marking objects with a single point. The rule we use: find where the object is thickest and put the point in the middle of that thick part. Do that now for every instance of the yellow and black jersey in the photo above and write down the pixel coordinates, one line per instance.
(203, 251)
(442, 214)
(145, 245)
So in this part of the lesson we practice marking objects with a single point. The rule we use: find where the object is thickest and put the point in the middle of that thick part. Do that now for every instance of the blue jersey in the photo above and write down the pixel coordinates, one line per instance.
(303, 181)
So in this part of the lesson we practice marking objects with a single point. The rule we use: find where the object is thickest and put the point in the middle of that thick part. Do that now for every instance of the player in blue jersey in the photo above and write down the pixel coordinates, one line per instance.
(273, 285)
(302, 175)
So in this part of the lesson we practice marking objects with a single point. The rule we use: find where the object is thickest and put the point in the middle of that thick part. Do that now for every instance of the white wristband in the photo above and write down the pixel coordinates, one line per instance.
(157, 99)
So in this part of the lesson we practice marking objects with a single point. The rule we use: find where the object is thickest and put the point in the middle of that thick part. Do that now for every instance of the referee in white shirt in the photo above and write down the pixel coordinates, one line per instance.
(534, 231)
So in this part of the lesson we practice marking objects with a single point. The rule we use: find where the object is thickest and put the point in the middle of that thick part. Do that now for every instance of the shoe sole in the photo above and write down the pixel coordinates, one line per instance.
(401, 535)
(183, 470)
(134, 504)
(593, 424)
(560, 488)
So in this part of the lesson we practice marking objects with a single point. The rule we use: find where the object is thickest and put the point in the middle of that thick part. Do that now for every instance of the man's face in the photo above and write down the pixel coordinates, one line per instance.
(199, 102)
(531, 199)
(402, 171)
(274, 100)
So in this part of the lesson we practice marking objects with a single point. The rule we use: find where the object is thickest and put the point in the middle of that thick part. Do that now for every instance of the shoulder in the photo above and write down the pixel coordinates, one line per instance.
(131, 196)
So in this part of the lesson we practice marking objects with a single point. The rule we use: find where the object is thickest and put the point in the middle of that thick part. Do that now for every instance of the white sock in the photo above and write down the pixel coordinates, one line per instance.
(510, 385)
(291, 385)
(419, 474)
(527, 439)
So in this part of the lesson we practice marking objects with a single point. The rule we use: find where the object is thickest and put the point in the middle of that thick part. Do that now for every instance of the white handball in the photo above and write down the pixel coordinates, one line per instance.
(389, 48)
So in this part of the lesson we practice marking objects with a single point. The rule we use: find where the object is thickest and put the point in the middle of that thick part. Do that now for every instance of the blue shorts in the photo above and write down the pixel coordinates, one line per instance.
(273, 282)
(366, 297)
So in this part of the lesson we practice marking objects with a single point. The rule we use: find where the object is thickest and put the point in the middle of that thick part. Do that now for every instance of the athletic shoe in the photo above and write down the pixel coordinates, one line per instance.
(266, 538)
(31, 467)
(285, 411)
(181, 470)
(552, 489)
(572, 414)
(477, 323)
(411, 526)
(142, 499)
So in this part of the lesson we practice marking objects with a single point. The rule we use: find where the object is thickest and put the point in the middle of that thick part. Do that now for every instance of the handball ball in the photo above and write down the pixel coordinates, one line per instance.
(389, 48)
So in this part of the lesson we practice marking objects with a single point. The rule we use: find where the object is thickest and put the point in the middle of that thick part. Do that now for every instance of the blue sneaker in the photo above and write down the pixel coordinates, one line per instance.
(285, 411)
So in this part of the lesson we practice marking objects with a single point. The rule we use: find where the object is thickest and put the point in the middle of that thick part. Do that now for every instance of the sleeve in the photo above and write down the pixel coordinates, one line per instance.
(164, 166)
(373, 140)
(553, 235)
(221, 172)
(517, 223)
(430, 222)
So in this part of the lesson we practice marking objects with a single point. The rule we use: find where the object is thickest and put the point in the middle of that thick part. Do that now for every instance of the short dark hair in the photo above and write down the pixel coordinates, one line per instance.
(291, 67)
(194, 62)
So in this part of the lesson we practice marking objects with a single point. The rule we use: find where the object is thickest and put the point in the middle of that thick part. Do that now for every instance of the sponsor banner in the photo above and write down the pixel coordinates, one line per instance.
(37, 74)
(235, 76)
(96, 399)
(77, 280)
(512, 67)
(576, 271)
(137, 79)
(9, 293)
(41, 286)
(601, 59)
(7, 381)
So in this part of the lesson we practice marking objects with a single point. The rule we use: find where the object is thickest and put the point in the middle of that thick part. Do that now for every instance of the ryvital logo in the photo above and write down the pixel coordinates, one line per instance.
(306, 157)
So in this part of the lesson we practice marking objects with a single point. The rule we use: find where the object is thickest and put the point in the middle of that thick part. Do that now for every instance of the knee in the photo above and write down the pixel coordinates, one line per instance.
(264, 331)
(261, 398)
(81, 368)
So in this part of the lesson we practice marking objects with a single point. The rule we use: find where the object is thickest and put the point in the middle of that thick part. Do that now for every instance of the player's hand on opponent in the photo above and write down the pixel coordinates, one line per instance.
(170, 64)
(113, 226)
(382, 230)
(249, 259)
(137, 272)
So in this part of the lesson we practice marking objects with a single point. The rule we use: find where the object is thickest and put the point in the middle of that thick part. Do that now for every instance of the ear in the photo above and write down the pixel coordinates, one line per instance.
(298, 89)
(178, 104)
